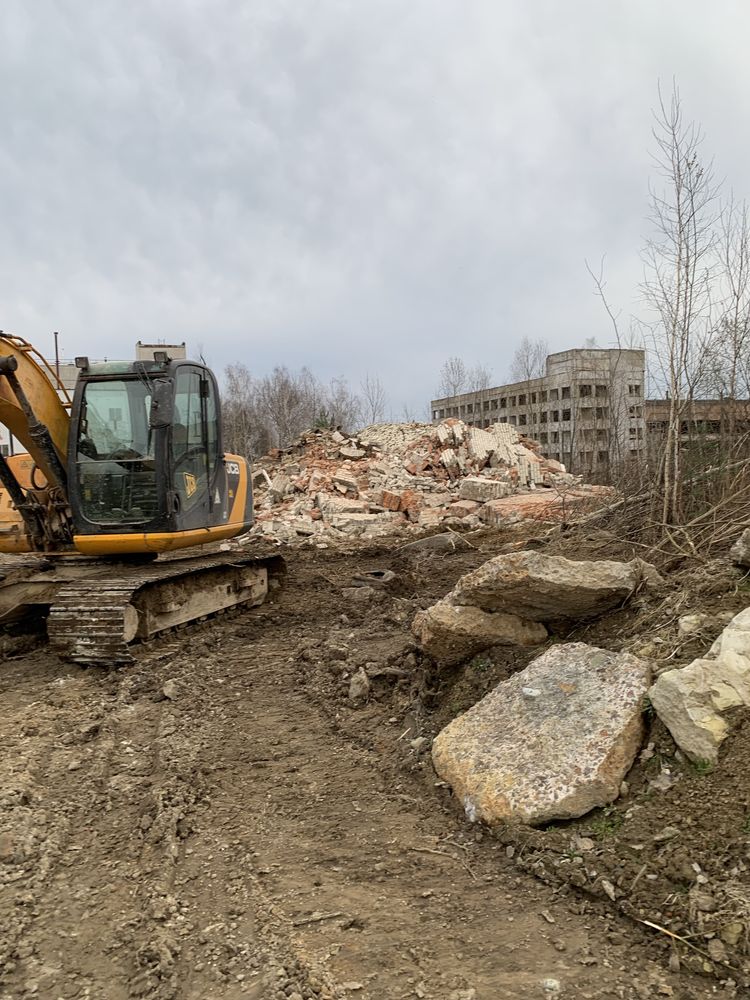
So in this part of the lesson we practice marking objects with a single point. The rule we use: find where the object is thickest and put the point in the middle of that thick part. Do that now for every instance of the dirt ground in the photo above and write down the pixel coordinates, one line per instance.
(223, 820)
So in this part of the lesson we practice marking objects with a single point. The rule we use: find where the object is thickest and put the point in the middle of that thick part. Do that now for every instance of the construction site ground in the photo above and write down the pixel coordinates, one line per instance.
(222, 821)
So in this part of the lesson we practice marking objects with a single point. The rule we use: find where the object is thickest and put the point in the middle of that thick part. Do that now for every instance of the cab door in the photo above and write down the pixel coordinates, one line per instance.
(194, 450)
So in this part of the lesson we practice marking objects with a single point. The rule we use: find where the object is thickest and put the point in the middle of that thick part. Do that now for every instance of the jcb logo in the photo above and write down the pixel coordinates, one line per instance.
(233, 469)
(191, 483)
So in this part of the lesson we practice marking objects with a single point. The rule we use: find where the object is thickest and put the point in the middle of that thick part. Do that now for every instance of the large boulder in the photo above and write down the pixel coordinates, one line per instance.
(691, 700)
(542, 587)
(551, 742)
(451, 634)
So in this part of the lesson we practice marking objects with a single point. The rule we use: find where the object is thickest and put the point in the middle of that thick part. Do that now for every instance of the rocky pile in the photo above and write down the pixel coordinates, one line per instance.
(394, 478)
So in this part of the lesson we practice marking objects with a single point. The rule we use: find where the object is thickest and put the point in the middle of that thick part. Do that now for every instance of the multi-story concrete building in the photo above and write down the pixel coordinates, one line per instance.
(586, 410)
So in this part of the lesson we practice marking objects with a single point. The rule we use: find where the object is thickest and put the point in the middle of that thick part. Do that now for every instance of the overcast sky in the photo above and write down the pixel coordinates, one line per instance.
(353, 185)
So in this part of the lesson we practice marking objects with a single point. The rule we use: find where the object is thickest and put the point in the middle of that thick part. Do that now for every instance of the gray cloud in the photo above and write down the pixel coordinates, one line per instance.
(357, 186)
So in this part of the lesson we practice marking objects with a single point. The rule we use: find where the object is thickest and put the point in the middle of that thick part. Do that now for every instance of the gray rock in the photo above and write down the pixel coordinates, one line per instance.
(544, 588)
(280, 486)
(348, 451)
(532, 760)
(481, 489)
(740, 551)
(359, 687)
(448, 541)
(451, 634)
(691, 701)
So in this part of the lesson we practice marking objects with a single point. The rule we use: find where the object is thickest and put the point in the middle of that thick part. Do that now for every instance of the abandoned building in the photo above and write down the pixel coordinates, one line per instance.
(585, 411)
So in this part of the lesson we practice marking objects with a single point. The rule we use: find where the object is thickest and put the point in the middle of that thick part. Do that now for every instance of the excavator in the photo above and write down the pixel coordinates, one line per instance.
(115, 487)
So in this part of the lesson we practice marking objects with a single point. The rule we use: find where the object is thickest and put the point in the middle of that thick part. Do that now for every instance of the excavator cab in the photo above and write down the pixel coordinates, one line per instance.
(146, 468)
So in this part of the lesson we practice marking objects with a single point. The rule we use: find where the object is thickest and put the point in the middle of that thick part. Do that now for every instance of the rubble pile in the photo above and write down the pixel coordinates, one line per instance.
(393, 478)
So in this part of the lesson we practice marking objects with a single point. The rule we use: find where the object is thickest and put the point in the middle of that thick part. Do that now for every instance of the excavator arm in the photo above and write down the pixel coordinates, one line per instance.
(34, 513)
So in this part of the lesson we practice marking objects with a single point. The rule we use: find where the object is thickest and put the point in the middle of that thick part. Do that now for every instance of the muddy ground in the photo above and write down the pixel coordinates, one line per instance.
(222, 820)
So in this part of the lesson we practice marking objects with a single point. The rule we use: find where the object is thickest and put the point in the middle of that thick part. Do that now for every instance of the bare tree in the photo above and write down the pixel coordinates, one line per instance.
(374, 399)
(245, 432)
(479, 377)
(454, 378)
(529, 360)
(341, 408)
(677, 282)
(727, 372)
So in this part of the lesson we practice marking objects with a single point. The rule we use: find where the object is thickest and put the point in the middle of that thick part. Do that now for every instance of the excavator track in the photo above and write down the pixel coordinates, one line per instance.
(95, 621)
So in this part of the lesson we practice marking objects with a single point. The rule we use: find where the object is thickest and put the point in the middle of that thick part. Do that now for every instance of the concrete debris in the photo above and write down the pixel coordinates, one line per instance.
(542, 587)
(514, 758)
(504, 602)
(691, 701)
(405, 478)
(450, 634)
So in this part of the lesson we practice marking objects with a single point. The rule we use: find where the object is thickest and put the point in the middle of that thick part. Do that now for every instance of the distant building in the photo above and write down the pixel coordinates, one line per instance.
(703, 419)
(585, 411)
(145, 352)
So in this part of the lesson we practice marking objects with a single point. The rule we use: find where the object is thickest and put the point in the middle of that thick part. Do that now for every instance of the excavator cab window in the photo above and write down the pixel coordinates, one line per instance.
(116, 466)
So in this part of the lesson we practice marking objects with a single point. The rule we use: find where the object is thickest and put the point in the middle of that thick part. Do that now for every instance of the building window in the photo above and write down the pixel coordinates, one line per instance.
(554, 394)
(543, 417)
(486, 405)
(542, 438)
(584, 390)
(493, 404)
(533, 397)
(512, 400)
(533, 418)
(503, 402)
(602, 457)
(503, 420)
(469, 407)
(602, 413)
(601, 392)
(587, 412)
(543, 396)
(555, 437)
(566, 392)
(555, 416)
(566, 414)
(601, 434)
(513, 421)
(636, 411)
(462, 409)
(522, 420)
(435, 415)
(522, 399)
(634, 390)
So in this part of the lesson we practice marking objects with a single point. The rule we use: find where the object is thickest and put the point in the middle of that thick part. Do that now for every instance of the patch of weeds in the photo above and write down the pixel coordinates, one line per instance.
(647, 709)
(701, 767)
(745, 828)
(606, 824)
(481, 664)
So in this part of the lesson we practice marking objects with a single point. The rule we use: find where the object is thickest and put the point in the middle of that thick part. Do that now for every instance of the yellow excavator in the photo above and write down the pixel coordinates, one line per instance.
(112, 484)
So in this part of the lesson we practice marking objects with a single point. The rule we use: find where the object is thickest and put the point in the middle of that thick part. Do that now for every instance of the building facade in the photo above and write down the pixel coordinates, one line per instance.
(586, 411)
